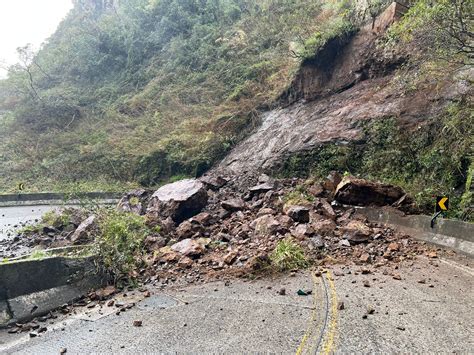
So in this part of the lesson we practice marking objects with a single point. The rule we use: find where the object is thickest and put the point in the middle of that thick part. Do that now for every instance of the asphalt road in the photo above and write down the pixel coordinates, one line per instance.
(16, 215)
(430, 310)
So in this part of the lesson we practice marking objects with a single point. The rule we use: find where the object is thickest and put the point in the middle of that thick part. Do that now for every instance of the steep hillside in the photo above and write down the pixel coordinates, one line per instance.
(144, 91)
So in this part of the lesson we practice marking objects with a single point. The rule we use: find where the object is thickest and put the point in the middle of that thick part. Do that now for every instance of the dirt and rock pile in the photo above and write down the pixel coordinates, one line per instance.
(220, 225)
(236, 231)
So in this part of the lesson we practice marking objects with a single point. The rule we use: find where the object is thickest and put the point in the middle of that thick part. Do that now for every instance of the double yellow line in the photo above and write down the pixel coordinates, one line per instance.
(327, 322)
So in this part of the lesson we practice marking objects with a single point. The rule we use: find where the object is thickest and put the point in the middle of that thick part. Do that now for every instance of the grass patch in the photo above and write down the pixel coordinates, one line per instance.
(288, 255)
(299, 196)
(38, 254)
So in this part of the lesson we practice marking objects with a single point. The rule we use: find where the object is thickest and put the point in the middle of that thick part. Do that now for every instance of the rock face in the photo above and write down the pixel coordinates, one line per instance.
(359, 192)
(180, 200)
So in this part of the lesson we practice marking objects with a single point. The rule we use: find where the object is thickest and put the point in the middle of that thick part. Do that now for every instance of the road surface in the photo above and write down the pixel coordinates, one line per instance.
(17, 215)
(430, 310)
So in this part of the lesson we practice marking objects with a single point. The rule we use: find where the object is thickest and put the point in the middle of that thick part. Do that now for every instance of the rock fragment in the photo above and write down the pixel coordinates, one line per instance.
(298, 213)
(85, 231)
(233, 205)
(357, 231)
(189, 247)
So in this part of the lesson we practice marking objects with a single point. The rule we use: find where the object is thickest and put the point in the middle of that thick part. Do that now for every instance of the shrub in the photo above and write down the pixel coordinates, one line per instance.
(288, 255)
(120, 242)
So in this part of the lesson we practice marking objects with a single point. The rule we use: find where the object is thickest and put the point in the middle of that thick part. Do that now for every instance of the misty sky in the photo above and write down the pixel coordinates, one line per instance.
(27, 21)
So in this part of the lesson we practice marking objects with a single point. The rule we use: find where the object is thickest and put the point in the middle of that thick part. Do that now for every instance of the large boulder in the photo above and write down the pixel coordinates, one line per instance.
(179, 200)
(360, 192)
(135, 201)
(85, 232)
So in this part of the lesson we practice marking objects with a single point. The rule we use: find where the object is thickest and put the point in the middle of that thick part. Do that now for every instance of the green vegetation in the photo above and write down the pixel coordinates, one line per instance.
(38, 254)
(57, 219)
(339, 27)
(120, 242)
(288, 255)
(53, 218)
(299, 196)
(152, 90)
(444, 28)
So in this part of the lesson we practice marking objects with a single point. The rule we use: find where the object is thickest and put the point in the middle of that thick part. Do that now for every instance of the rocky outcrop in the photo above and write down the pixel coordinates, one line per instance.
(178, 201)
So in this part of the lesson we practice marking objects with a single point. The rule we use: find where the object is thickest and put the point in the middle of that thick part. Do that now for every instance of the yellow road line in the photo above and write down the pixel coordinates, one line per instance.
(315, 324)
(312, 321)
(328, 346)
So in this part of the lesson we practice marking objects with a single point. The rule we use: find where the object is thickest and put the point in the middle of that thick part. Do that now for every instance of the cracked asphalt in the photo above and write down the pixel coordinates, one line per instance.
(429, 310)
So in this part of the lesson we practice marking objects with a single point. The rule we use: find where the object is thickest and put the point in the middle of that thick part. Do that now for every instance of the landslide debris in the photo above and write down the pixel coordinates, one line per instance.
(267, 233)
(247, 218)
(200, 230)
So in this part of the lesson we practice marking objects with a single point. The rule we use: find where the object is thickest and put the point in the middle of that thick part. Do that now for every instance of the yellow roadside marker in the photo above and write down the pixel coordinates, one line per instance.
(442, 203)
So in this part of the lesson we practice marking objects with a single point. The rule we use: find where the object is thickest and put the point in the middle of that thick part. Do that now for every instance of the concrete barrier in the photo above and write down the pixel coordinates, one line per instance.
(448, 233)
(50, 198)
(31, 288)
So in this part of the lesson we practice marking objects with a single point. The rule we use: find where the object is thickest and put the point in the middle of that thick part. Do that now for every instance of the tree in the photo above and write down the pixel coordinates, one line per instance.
(444, 26)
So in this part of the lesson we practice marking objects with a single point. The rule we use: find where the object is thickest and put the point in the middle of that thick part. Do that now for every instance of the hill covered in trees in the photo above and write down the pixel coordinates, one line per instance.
(145, 84)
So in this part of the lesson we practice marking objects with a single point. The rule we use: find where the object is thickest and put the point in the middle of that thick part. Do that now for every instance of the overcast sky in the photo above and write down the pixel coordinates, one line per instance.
(27, 21)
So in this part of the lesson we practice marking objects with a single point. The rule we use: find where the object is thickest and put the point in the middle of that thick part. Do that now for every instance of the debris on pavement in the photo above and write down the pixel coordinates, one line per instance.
(304, 292)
